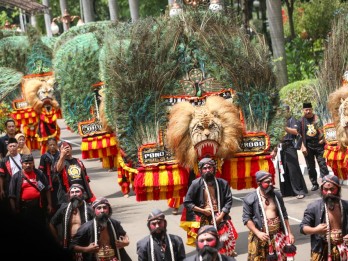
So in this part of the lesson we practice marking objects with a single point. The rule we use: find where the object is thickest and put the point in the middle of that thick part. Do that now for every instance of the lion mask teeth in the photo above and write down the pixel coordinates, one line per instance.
(207, 148)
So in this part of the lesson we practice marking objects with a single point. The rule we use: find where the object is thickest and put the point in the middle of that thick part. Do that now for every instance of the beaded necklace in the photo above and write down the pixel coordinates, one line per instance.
(328, 235)
(113, 232)
(211, 202)
(153, 249)
(67, 214)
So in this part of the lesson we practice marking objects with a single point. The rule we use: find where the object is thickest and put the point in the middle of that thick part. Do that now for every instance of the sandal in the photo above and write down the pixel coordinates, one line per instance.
(300, 196)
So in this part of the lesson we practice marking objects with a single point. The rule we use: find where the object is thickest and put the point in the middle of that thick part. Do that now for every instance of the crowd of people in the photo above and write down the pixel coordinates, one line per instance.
(57, 197)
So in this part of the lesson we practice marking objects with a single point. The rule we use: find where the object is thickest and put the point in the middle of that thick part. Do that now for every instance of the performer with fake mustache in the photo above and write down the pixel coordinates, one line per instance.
(159, 245)
(103, 238)
(208, 245)
(210, 199)
(70, 216)
(265, 215)
(326, 220)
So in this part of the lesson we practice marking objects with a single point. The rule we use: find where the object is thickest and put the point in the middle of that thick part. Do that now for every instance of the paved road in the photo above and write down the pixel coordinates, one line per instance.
(133, 214)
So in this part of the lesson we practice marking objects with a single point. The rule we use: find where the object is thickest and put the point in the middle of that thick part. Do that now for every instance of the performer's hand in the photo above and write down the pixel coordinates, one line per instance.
(49, 209)
(92, 248)
(219, 219)
(291, 238)
(206, 212)
(304, 151)
(2, 194)
(123, 242)
(262, 236)
(321, 229)
(345, 239)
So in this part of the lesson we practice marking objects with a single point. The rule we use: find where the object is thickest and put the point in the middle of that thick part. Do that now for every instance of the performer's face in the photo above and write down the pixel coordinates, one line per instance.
(206, 239)
(208, 172)
(157, 226)
(102, 209)
(267, 185)
(76, 192)
(329, 189)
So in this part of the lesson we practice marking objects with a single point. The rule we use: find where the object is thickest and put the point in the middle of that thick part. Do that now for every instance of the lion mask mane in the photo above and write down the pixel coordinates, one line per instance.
(338, 108)
(192, 128)
(39, 93)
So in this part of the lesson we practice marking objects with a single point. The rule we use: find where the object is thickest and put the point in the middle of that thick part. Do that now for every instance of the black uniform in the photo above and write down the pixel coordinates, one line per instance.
(294, 183)
(309, 129)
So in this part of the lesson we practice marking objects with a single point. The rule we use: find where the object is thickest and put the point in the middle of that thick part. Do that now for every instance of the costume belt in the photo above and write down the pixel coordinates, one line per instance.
(336, 237)
(273, 225)
(106, 252)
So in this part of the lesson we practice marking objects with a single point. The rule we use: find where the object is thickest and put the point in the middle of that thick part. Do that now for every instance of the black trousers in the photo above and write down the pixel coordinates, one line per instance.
(294, 183)
(315, 151)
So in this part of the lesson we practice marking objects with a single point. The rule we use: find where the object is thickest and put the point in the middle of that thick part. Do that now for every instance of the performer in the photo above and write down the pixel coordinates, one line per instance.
(294, 183)
(10, 128)
(102, 238)
(159, 245)
(265, 215)
(210, 199)
(326, 220)
(71, 171)
(47, 166)
(70, 216)
(208, 245)
(27, 189)
(9, 166)
(311, 129)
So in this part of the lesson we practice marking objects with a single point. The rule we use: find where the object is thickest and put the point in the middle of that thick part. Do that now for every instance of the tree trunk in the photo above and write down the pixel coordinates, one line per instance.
(134, 9)
(275, 21)
(47, 17)
(290, 7)
(88, 13)
(113, 9)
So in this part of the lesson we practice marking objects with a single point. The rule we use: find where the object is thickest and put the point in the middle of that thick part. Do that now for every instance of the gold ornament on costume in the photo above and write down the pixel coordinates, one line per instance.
(197, 85)
(311, 131)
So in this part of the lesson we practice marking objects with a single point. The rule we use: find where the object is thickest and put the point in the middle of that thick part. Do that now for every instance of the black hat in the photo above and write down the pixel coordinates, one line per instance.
(307, 105)
(12, 140)
(27, 158)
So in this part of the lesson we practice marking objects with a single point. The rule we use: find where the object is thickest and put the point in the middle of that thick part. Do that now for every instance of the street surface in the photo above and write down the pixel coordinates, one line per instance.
(133, 214)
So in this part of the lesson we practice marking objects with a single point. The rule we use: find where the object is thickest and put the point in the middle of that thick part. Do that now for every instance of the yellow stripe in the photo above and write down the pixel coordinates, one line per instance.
(247, 163)
(163, 177)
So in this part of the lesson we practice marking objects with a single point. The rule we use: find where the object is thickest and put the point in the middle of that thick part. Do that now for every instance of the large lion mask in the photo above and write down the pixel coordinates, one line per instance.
(39, 93)
(213, 129)
(338, 107)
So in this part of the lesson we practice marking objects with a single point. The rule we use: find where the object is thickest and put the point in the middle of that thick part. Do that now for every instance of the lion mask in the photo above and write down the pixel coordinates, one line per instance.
(214, 128)
(338, 108)
(39, 93)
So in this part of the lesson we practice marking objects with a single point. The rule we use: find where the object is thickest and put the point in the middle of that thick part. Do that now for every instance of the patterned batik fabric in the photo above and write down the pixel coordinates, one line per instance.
(259, 250)
(227, 233)
(228, 236)
(338, 252)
